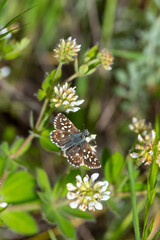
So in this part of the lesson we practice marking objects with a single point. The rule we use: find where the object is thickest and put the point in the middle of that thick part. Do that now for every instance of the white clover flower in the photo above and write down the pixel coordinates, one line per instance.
(139, 126)
(106, 59)
(87, 193)
(67, 50)
(5, 30)
(144, 150)
(66, 97)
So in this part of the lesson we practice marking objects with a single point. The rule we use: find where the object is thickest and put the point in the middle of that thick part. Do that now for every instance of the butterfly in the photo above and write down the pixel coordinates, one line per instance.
(73, 143)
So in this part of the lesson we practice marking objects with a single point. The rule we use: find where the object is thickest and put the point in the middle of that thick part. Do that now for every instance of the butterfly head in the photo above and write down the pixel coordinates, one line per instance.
(86, 133)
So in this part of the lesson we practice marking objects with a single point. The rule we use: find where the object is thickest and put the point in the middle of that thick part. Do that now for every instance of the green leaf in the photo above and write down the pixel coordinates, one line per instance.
(4, 149)
(16, 48)
(16, 18)
(91, 54)
(18, 187)
(83, 69)
(64, 225)
(43, 181)
(114, 167)
(2, 3)
(2, 165)
(41, 94)
(77, 213)
(46, 142)
(20, 222)
(17, 144)
(48, 82)
(105, 156)
(60, 189)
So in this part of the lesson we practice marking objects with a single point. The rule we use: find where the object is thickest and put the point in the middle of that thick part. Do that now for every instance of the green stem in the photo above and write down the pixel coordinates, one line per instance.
(151, 184)
(43, 109)
(72, 77)
(133, 199)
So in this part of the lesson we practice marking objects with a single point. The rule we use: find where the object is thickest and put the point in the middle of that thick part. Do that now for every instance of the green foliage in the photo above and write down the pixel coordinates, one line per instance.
(18, 187)
(132, 88)
(46, 142)
(20, 222)
(114, 167)
(47, 84)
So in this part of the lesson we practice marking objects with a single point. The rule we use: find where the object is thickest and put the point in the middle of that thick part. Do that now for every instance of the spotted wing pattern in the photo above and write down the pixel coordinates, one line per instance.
(60, 137)
(75, 156)
(80, 153)
(62, 123)
(89, 156)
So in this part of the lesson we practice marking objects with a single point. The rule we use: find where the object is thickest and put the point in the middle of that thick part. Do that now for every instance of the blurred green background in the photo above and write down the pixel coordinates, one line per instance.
(129, 29)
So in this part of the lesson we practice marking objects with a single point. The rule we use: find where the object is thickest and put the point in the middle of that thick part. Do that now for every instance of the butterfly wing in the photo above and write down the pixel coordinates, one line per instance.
(89, 157)
(60, 138)
(74, 155)
(61, 122)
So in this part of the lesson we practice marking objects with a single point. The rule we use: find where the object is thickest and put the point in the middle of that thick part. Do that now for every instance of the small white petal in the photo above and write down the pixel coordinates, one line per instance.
(87, 197)
(134, 120)
(153, 134)
(65, 102)
(134, 155)
(131, 127)
(74, 204)
(83, 207)
(56, 90)
(75, 109)
(91, 137)
(71, 95)
(57, 105)
(140, 139)
(78, 180)
(98, 184)
(85, 179)
(71, 187)
(96, 195)
(71, 195)
(105, 197)
(94, 176)
(98, 206)
(64, 95)
(79, 102)
(104, 187)
(91, 206)
(68, 110)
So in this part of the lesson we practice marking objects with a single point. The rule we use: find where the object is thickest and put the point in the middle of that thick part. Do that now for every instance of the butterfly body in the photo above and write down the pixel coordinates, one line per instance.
(73, 143)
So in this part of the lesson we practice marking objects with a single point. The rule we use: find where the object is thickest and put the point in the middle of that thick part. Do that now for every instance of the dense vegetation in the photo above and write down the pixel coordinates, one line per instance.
(106, 54)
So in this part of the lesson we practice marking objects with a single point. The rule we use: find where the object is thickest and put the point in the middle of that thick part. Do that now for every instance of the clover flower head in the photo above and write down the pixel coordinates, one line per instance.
(66, 96)
(144, 150)
(3, 31)
(139, 126)
(67, 50)
(106, 59)
(87, 193)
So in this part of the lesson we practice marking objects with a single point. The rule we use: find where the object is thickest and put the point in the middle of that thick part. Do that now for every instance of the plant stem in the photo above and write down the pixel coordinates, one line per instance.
(133, 199)
(41, 113)
(43, 109)
(72, 77)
